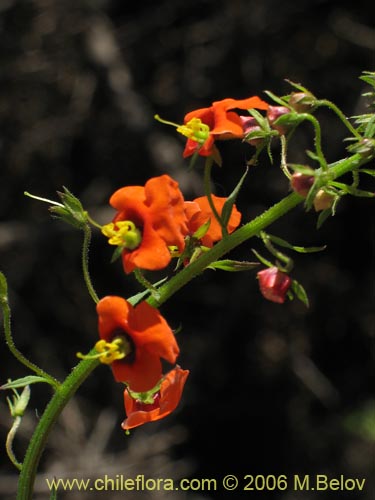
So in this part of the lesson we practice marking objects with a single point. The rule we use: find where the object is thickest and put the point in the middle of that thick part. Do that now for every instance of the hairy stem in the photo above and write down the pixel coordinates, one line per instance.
(4, 304)
(39, 439)
(68, 388)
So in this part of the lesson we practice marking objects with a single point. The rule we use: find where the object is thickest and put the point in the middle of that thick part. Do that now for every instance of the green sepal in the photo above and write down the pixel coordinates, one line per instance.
(364, 147)
(298, 86)
(302, 169)
(291, 119)
(300, 292)
(19, 404)
(279, 100)
(72, 210)
(117, 253)
(323, 216)
(202, 230)
(233, 265)
(285, 244)
(148, 396)
(228, 205)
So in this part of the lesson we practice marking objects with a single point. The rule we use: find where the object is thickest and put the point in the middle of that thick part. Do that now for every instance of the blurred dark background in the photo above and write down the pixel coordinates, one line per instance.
(273, 389)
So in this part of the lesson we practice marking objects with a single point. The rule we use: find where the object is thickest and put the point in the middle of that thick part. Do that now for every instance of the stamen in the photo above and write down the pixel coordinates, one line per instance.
(108, 352)
(123, 233)
(195, 129)
(174, 251)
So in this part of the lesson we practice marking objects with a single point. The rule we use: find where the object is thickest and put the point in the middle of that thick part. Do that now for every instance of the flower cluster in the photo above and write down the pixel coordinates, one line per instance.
(152, 225)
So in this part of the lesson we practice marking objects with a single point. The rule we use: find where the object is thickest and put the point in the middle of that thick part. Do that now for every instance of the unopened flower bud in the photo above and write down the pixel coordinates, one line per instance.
(323, 200)
(301, 183)
(274, 284)
(275, 112)
(302, 102)
(250, 126)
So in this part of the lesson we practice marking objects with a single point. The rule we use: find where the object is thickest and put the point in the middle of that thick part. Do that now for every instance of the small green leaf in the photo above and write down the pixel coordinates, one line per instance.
(262, 259)
(283, 243)
(233, 265)
(368, 171)
(352, 190)
(300, 292)
(134, 299)
(22, 382)
(278, 100)
(323, 216)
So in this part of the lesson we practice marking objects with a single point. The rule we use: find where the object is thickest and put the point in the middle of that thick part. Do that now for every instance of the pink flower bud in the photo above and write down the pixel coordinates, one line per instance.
(274, 284)
(273, 113)
(301, 183)
(249, 125)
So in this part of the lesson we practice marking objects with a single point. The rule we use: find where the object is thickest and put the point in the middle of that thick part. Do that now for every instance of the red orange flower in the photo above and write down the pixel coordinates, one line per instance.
(144, 337)
(222, 122)
(164, 401)
(149, 219)
(198, 212)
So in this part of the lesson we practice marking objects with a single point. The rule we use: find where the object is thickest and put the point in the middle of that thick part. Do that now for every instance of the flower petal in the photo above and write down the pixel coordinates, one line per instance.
(199, 217)
(142, 374)
(150, 330)
(170, 394)
(152, 254)
(249, 103)
(166, 207)
(113, 313)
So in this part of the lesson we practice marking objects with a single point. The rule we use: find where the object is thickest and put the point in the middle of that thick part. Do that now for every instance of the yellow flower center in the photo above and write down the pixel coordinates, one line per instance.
(123, 233)
(195, 129)
(108, 352)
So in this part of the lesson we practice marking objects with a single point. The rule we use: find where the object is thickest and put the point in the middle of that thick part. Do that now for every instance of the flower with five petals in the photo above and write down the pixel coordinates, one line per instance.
(149, 219)
(133, 341)
(206, 125)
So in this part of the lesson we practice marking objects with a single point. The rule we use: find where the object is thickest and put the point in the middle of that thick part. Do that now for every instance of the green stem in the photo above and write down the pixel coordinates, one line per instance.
(9, 442)
(283, 163)
(318, 140)
(39, 439)
(147, 284)
(207, 190)
(276, 253)
(246, 232)
(224, 246)
(85, 263)
(67, 389)
(340, 114)
(4, 304)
